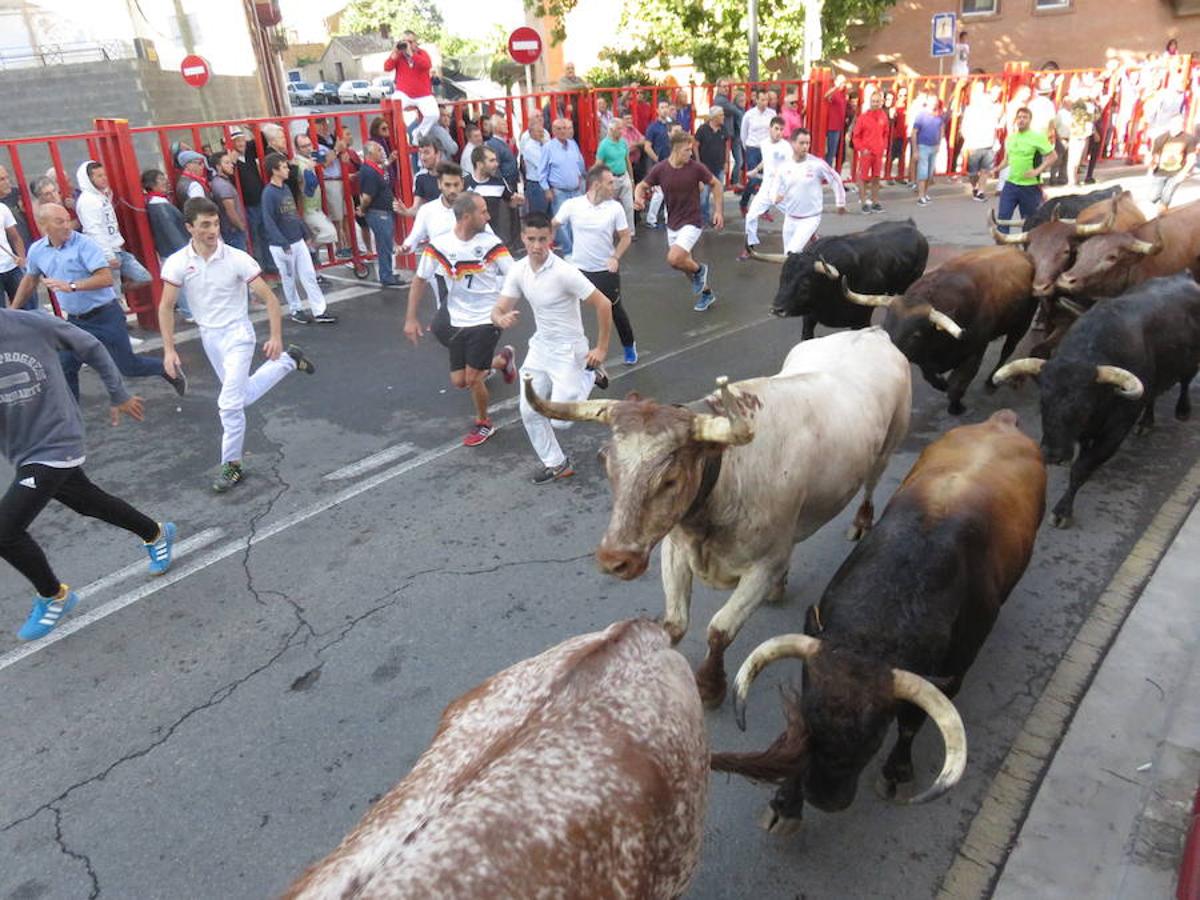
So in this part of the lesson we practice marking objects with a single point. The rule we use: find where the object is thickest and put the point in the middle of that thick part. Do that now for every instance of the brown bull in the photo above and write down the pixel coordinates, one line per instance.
(1110, 264)
(580, 773)
(1052, 244)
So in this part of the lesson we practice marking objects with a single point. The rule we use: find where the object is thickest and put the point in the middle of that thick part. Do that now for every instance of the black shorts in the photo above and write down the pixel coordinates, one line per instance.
(473, 346)
(607, 283)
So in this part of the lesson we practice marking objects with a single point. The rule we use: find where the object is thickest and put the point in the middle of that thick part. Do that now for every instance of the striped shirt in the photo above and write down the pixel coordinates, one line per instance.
(474, 271)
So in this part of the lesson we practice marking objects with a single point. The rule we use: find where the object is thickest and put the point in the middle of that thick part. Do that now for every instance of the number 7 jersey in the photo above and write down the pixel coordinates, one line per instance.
(474, 271)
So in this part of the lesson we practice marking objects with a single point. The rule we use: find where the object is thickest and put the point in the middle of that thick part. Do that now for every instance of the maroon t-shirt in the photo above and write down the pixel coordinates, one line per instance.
(681, 191)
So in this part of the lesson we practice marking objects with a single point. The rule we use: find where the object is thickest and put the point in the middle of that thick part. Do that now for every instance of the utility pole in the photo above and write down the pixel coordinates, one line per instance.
(753, 40)
(813, 39)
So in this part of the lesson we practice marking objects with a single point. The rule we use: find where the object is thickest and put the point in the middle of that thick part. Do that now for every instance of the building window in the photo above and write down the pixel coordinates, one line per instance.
(979, 7)
(1046, 5)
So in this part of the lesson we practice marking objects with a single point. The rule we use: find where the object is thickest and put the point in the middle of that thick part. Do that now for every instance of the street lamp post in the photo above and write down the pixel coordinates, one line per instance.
(753, 40)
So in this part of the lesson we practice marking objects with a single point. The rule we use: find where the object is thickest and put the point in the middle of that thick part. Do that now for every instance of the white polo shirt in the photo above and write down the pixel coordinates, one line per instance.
(593, 230)
(433, 219)
(554, 292)
(216, 287)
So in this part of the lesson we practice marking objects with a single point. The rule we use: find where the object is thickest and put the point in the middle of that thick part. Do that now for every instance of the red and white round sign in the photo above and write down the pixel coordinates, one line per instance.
(195, 70)
(525, 46)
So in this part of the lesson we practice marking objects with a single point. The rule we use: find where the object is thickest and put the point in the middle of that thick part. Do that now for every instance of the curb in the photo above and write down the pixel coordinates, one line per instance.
(1189, 869)
(983, 852)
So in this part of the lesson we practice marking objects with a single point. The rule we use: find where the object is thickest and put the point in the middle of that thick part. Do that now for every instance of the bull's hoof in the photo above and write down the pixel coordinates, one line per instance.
(1182, 415)
(893, 791)
(955, 408)
(990, 387)
(711, 695)
(856, 532)
(674, 631)
(1059, 520)
(1142, 429)
(779, 826)
(777, 594)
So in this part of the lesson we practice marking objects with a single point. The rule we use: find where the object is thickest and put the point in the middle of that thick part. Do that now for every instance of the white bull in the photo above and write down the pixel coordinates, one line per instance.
(734, 490)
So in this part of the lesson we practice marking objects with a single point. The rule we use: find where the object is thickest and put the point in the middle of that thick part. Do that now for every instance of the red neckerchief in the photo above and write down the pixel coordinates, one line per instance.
(199, 179)
(382, 174)
(161, 194)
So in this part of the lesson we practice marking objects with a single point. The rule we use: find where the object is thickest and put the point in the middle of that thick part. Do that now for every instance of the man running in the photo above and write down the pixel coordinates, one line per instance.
(559, 364)
(41, 431)
(76, 268)
(800, 195)
(285, 234)
(473, 262)
(680, 178)
(774, 154)
(215, 277)
(602, 236)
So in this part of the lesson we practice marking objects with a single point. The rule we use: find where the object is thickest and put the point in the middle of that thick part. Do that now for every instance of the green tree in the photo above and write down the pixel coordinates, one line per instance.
(421, 16)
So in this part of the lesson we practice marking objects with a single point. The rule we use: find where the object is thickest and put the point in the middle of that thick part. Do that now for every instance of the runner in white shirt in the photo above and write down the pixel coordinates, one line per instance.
(215, 277)
(800, 194)
(436, 218)
(776, 153)
(473, 262)
(756, 129)
(559, 366)
(602, 236)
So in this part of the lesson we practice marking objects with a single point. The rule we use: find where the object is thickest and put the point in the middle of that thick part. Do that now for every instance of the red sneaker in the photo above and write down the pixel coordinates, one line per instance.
(509, 355)
(481, 432)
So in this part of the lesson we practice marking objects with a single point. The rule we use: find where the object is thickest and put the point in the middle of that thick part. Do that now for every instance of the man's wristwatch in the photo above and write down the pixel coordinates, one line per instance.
(74, 287)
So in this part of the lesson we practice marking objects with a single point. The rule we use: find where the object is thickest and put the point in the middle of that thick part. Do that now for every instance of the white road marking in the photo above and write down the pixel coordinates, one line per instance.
(76, 623)
(374, 461)
(183, 547)
(703, 329)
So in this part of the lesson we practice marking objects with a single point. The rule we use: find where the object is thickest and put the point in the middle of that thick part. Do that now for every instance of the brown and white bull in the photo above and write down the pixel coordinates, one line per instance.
(580, 773)
(733, 490)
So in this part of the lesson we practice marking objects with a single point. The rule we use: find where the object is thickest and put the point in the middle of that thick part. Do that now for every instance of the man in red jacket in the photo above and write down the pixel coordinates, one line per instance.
(870, 139)
(411, 65)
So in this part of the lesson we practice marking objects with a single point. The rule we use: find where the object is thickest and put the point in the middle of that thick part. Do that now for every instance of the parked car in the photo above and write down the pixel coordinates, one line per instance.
(354, 91)
(300, 93)
(326, 92)
(381, 87)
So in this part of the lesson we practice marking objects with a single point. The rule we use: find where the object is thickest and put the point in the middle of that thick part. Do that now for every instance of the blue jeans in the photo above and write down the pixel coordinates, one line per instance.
(11, 280)
(131, 271)
(262, 252)
(1025, 197)
(926, 160)
(383, 229)
(753, 158)
(562, 237)
(535, 198)
(107, 325)
(832, 139)
(706, 197)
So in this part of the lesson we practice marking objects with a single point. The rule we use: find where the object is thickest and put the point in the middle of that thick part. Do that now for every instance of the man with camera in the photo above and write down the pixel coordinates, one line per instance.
(410, 65)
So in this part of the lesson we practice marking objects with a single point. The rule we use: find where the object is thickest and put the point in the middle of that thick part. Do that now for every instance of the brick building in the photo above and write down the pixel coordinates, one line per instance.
(1073, 33)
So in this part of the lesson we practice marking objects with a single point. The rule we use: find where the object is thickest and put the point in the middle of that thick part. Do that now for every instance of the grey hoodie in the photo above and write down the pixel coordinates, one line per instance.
(39, 418)
(94, 209)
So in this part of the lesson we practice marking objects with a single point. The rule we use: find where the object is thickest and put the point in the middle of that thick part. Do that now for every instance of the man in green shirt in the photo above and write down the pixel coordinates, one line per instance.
(1022, 189)
(613, 151)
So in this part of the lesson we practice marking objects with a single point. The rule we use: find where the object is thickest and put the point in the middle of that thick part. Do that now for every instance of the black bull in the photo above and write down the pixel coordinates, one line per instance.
(884, 259)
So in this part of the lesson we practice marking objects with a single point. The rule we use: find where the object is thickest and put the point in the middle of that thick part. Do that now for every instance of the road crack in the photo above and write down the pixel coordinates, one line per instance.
(74, 854)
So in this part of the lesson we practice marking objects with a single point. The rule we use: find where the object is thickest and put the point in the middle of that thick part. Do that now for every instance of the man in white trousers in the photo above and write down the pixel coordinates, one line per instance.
(799, 193)
(559, 364)
(285, 235)
(217, 276)
(776, 152)
(413, 85)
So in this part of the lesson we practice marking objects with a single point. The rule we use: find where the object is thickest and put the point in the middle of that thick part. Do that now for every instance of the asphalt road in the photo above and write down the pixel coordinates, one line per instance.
(235, 719)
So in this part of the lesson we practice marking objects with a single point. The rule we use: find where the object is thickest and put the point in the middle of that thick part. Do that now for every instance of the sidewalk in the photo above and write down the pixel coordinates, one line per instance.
(1112, 815)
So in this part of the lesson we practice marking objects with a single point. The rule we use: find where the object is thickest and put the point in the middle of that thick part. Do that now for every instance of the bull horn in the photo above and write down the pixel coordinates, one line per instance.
(919, 692)
(799, 646)
(1071, 306)
(1011, 223)
(579, 411)
(1103, 227)
(943, 322)
(1019, 368)
(730, 428)
(1127, 384)
(826, 269)
(767, 257)
(1021, 237)
(865, 299)
(1148, 248)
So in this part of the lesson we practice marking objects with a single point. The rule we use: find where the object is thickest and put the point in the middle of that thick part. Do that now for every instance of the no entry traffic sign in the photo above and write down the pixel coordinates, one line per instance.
(525, 46)
(195, 70)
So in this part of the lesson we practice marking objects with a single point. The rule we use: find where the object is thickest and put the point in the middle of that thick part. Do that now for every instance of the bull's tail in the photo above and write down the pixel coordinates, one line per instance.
(786, 757)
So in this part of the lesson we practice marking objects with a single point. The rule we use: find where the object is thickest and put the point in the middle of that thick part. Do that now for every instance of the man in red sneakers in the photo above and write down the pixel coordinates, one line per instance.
(473, 262)
(870, 139)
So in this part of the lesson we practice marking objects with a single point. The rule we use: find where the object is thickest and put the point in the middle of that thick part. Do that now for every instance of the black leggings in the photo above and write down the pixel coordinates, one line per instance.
(34, 487)
(609, 284)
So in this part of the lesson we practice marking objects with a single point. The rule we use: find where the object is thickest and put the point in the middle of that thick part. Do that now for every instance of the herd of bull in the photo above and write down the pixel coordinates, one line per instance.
(583, 772)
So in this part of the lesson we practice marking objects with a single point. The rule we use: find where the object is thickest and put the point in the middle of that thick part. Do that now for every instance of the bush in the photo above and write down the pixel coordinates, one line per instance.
(608, 75)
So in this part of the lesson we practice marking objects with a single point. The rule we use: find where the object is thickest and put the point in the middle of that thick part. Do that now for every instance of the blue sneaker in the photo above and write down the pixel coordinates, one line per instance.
(160, 551)
(46, 614)
(707, 299)
(700, 279)
(631, 354)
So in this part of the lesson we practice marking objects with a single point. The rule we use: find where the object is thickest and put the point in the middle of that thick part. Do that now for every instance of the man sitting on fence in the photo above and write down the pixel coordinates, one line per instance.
(98, 220)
